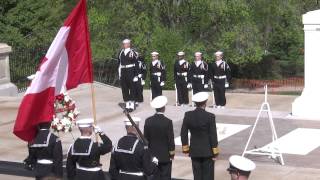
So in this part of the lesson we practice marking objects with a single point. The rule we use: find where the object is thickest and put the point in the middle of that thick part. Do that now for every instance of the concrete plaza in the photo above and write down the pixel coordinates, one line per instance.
(241, 110)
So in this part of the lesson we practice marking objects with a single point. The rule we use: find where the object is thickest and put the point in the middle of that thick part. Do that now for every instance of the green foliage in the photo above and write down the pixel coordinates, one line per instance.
(261, 39)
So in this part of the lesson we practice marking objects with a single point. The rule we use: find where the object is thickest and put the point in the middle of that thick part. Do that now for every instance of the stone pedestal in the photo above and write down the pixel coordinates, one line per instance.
(6, 87)
(307, 105)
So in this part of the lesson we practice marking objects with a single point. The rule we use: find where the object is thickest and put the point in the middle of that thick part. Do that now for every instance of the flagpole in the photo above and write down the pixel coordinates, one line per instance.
(94, 112)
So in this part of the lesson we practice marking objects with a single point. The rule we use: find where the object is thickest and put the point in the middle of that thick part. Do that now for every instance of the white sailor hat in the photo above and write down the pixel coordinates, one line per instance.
(241, 163)
(155, 53)
(218, 53)
(200, 97)
(135, 119)
(85, 122)
(181, 53)
(159, 102)
(197, 54)
(125, 41)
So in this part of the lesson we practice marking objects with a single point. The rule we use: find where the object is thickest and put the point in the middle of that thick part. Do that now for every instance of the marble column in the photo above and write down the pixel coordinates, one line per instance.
(307, 105)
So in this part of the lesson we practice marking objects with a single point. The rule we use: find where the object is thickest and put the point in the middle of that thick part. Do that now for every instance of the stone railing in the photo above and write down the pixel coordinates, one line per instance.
(6, 87)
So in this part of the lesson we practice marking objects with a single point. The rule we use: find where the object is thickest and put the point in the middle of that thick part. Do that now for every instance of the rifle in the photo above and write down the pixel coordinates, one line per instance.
(141, 136)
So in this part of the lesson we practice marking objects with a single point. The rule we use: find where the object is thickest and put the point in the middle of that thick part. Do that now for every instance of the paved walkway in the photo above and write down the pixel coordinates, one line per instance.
(234, 125)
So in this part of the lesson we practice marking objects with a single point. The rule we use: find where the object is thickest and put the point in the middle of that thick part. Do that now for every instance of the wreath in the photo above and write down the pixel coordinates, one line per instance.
(65, 113)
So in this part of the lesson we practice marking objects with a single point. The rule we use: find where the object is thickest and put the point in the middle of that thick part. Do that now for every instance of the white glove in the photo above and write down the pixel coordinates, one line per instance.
(31, 77)
(155, 160)
(97, 129)
(135, 79)
(226, 85)
(142, 82)
(140, 75)
(189, 86)
(205, 86)
(162, 83)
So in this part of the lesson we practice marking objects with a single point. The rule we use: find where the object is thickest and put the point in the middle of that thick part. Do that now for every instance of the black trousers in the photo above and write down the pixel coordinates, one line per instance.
(219, 93)
(88, 175)
(203, 168)
(197, 87)
(156, 89)
(138, 96)
(182, 91)
(130, 177)
(164, 171)
(127, 84)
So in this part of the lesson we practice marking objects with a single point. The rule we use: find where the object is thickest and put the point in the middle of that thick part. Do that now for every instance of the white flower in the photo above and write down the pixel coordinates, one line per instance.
(55, 121)
(59, 127)
(71, 115)
(66, 98)
(65, 121)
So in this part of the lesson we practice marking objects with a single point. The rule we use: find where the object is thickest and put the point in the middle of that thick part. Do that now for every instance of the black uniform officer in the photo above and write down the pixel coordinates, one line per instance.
(45, 154)
(83, 162)
(142, 73)
(157, 75)
(220, 74)
(158, 130)
(198, 74)
(128, 73)
(130, 158)
(181, 70)
(203, 143)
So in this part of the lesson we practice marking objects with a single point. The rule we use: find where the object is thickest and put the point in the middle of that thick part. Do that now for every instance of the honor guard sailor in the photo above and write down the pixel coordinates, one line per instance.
(83, 161)
(198, 74)
(130, 159)
(128, 73)
(181, 70)
(203, 148)
(45, 154)
(240, 167)
(142, 74)
(221, 76)
(157, 75)
(158, 130)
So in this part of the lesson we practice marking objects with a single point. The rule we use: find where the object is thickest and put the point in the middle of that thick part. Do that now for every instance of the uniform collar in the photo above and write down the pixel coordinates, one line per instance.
(182, 61)
(155, 62)
(198, 63)
(126, 51)
(219, 62)
(85, 137)
(160, 113)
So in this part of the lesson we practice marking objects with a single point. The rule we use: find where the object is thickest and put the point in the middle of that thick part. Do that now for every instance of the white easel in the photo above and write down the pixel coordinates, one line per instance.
(270, 151)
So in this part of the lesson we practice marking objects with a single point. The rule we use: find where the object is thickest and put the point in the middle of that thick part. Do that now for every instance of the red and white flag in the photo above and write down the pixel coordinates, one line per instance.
(66, 65)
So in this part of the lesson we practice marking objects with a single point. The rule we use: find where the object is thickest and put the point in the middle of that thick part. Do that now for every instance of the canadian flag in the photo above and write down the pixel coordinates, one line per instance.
(66, 65)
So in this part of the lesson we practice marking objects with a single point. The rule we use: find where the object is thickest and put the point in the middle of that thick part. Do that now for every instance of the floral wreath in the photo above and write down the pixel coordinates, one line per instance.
(65, 113)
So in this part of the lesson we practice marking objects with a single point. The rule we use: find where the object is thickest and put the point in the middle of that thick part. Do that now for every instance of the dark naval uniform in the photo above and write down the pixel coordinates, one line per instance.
(142, 74)
(198, 76)
(157, 76)
(83, 160)
(158, 130)
(181, 70)
(220, 75)
(203, 142)
(128, 70)
(45, 155)
(130, 160)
